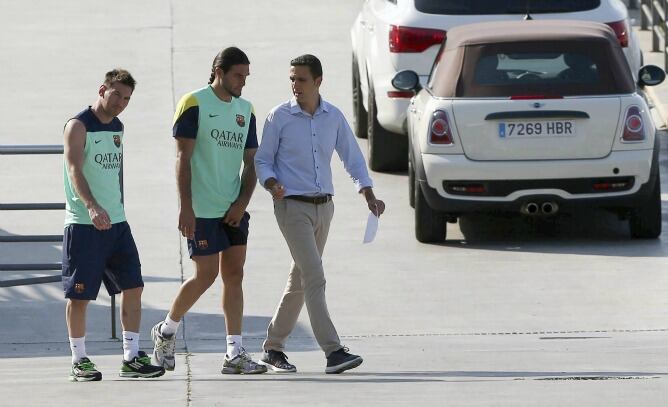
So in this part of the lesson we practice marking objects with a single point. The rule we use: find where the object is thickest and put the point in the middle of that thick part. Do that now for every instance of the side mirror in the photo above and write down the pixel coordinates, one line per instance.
(650, 75)
(407, 81)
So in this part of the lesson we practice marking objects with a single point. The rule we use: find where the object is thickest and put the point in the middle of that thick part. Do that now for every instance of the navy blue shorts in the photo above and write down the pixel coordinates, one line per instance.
(213, 236)
(92, 256)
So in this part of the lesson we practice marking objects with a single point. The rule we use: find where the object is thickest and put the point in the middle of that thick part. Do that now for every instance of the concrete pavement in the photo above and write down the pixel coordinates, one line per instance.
(463, 324)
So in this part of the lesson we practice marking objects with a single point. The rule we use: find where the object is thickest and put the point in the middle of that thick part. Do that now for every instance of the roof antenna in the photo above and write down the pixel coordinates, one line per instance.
(528, 17)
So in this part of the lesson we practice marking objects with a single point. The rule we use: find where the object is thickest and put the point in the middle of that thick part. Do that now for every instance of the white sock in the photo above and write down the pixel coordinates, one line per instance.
(169, 327)
(78, 347)
(233, 346)
(130, 345)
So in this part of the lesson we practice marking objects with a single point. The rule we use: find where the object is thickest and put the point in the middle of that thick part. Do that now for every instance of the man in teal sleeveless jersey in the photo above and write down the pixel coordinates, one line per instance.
(97, 241)
(215, 132)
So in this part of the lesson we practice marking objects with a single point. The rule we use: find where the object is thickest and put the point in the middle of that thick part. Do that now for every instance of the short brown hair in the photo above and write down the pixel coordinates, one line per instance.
(121, 76)
(311, 61)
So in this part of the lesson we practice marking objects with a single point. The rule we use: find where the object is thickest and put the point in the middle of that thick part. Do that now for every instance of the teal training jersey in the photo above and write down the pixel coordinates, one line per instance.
(103, 155)
(222, 131)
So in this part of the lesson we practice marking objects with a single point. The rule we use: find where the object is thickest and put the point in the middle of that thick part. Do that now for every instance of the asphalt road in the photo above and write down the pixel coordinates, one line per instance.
(507, 312)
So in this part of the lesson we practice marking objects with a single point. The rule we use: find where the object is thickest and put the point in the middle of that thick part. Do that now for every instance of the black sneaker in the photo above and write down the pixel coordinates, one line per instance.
(277, 361)
(84, 371)
(140, 366)
(341, 360)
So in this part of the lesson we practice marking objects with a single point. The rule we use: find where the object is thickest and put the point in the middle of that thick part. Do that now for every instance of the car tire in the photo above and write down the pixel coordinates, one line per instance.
(411, 184)
(388, 151)
(360, 120)
(430, 225)
(645, 220)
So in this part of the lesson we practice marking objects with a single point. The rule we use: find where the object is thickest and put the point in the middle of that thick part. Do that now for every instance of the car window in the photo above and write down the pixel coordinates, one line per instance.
(540, 68)
(537, 68)
(476, 7)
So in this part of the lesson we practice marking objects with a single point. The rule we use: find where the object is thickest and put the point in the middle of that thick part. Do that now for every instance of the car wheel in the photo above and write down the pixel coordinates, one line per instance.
(430, 225)
(411, 184)
(359, 113)
(388, 151)
(645, 220)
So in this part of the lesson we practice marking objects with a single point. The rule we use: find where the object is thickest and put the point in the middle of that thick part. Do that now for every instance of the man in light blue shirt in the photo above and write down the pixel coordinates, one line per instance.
(293, 164)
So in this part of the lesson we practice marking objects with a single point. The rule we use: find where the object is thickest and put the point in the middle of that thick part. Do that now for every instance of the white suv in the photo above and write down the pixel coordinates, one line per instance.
(392, 35)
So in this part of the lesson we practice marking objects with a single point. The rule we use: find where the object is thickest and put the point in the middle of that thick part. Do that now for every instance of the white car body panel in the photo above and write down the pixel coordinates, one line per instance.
(377, 65)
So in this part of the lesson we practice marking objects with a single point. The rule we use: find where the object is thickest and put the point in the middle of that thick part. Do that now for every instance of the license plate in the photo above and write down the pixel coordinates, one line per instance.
(549, 128)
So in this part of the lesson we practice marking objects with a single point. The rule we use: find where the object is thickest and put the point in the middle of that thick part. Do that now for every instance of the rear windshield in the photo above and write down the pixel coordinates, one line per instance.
(475, 7)
(539, 69)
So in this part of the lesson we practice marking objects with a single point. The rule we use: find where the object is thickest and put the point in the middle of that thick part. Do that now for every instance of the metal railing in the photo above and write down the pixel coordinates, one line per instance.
(653, 17)
(31, 150)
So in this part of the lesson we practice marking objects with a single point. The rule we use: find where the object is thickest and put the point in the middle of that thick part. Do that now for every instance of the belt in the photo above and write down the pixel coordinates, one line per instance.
(316, 200)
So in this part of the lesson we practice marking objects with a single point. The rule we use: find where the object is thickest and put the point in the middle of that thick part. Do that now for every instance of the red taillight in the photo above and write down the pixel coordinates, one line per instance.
(410, 39)
(530, 97)
(468, 189)
(400, 94)
(634, 129)
(621, 31)
(440, 128)
(607, 186)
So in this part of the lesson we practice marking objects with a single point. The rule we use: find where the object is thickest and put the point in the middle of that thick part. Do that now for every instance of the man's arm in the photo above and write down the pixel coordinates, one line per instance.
(184, 151)
(248, 180)
(74, 143)
(265, 158)
(353, 161)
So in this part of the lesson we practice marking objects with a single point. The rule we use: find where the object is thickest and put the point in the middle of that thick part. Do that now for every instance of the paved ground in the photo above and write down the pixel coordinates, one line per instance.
(505, 313)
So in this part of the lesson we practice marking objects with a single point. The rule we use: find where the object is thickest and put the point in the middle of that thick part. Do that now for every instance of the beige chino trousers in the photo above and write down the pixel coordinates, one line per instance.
(305, 227)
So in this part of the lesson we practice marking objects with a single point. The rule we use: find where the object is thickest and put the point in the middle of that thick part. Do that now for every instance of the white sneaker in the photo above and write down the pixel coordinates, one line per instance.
(163, 348)
(242, 364)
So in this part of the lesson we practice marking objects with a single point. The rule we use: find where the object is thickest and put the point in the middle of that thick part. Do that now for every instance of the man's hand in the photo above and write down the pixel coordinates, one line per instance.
(187, 223)
(99, 217)
(275, 188)
(234, 214)
(376, 206)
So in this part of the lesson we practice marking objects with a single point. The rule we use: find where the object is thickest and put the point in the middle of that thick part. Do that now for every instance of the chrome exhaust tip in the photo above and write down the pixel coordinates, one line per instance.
(549, 208)
(530, 208)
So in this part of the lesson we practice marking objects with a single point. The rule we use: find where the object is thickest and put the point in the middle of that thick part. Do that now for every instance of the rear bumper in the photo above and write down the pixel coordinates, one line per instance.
(511, 185)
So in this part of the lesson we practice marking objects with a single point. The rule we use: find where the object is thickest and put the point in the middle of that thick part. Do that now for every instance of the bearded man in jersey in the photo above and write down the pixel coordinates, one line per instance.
(215, 133)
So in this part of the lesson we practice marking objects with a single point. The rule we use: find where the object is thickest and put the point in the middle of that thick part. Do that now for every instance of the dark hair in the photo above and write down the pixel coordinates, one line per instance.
(225, 59)
(311, 61)
(121, 76)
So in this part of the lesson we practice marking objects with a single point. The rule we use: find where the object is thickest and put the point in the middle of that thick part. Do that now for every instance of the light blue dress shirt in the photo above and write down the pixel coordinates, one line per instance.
(297, 148)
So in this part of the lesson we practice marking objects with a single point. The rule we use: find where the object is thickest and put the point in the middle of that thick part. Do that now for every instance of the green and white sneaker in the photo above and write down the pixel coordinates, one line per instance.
(84, 371)
(140, 366)
(242, 364)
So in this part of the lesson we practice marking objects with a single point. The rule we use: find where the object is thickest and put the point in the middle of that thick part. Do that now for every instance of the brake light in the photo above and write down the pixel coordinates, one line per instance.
(400, 94)
(530, 97)
(621, 31)
(440, 129)
(608, 186)
(411, 39)
(634, 129)
(467, 189)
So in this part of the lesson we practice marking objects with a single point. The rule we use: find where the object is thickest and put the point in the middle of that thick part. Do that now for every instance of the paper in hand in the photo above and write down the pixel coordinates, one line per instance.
(371, 228)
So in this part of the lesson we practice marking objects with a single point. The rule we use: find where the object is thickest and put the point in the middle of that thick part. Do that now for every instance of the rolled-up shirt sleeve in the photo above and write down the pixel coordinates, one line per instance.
(266, 152)
(350, 154)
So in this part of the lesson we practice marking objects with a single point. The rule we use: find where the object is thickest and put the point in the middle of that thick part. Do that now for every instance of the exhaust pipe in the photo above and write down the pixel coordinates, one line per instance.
(530, 208)
(549, 208)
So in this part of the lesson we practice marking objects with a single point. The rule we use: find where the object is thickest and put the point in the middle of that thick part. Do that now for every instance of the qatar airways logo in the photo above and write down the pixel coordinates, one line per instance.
(109, 161)
(229, 139)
